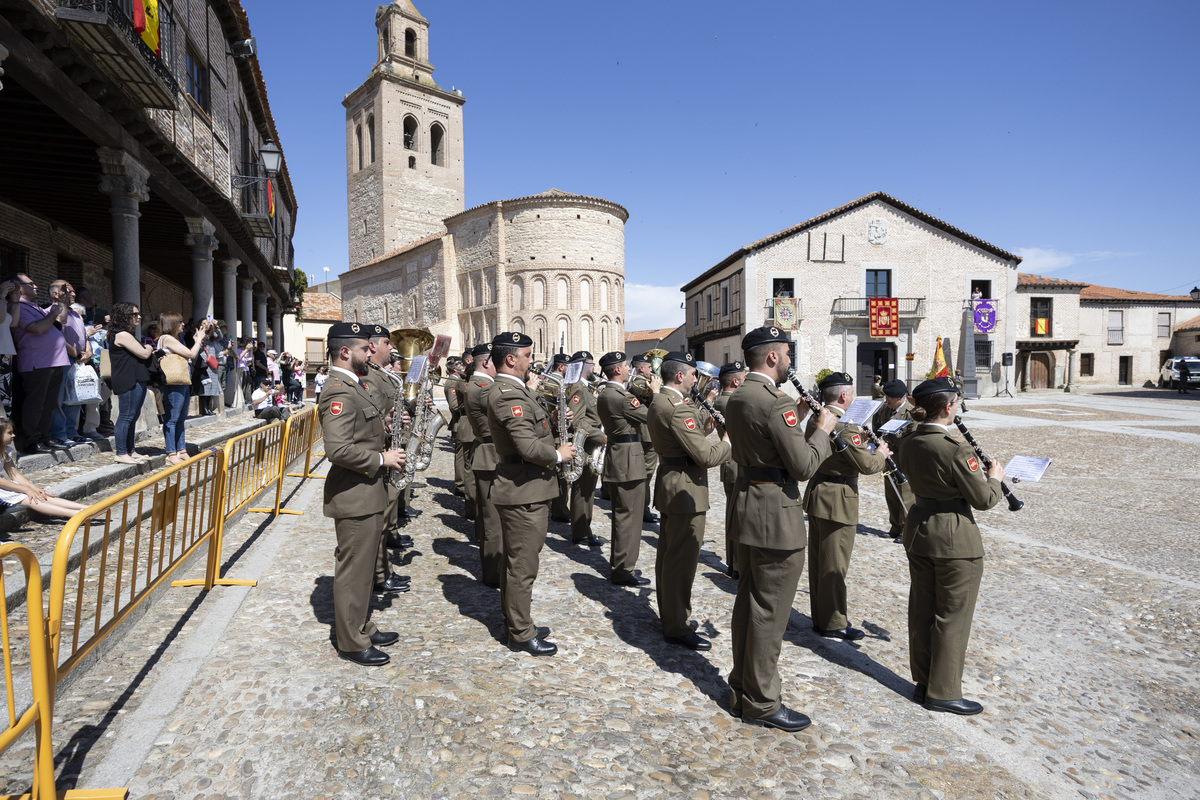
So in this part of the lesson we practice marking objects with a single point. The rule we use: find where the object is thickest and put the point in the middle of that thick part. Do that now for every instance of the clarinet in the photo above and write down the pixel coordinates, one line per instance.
(1013, 503)
(898, 476)
(707, 406)
(815, 405)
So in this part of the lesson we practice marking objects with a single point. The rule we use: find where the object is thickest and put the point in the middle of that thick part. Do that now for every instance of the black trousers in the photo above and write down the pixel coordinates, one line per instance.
(36, 399)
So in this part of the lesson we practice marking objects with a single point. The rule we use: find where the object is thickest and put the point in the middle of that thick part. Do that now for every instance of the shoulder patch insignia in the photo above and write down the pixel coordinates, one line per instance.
(690, 424)
(635, 402)
(973, 464)
(575, 399)
(335, 408)
(856, 439)
(790, 418)
(517, 411)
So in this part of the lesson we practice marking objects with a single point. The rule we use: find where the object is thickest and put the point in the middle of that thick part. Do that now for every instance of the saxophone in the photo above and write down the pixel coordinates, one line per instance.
(552, 392)
(425, 426)
(400, 433)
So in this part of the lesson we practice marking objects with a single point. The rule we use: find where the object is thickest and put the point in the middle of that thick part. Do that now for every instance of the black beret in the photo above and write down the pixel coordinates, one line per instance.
(582, 355)
(732, 366)
(559, 358)
(836, 379)
(641, 358)
(481, 350)
(350, 330)
(377, 331)
(895, 388)
(763, 335)
(453, 361)
(682, 358)
(608, 359)
(933, 386)
(512, 339)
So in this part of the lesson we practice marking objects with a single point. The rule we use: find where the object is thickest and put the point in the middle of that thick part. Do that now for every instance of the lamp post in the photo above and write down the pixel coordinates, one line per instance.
(1195, 293)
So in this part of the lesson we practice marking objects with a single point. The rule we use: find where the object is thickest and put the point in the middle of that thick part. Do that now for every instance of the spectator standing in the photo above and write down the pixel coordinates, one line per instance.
(261, 365)
(129, 360)
(98, 415)
(10, 297)
(273, 366)
(1185, 375)
(41, 356)
(175, 398)
(87, 411)
(205, 380)
(64, 427)
(246, 368)
(319, 381)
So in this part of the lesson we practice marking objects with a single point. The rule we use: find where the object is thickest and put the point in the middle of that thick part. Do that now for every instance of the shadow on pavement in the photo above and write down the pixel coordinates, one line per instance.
(470, 595)
(847, 654)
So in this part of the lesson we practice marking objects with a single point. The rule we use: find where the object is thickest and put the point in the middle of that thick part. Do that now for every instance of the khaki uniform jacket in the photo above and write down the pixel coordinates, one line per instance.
(354, 439)
(383, 393)
(765, 433)
(838, 502)
(460, 426)
(678, 432)
(729, 469)
(622, 415)
(942, 467)
(580, 397)
(475, 401)
(521, 428)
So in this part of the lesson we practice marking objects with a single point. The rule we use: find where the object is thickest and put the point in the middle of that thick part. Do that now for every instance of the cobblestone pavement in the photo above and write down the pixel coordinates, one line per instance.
(1083, 654)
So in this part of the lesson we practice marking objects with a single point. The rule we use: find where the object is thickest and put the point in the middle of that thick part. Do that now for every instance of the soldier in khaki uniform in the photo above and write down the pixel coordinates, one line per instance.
(483, 464)
(384, 392)
(772, 456)
(524, 484)
(945, 550)
(623, 416)
(680, 494)
(583, 491)
(462, 436)
(560, 507)
(731, 377)
(355, 496)
(642, 365)
(899, 496)
(831, 500)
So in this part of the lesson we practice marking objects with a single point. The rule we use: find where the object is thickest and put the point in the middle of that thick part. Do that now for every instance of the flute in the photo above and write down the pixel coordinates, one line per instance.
(1013, 503)
(815, 405)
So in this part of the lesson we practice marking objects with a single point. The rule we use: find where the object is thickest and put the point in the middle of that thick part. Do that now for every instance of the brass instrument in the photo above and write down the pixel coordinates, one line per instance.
(398, 439)
(656, 358)
(639, 385)
(410, 342)
(706, 373)
(552, 394)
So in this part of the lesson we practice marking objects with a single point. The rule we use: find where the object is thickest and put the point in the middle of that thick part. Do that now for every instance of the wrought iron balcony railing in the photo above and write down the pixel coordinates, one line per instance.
(852, 307)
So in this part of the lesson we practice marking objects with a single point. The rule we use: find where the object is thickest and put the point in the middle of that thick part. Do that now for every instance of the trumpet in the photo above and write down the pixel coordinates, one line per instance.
(815, 404)
(1013, 503)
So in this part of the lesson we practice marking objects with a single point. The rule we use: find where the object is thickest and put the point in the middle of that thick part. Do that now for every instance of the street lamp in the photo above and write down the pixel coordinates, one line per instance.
(272, 160)
(1195, 293)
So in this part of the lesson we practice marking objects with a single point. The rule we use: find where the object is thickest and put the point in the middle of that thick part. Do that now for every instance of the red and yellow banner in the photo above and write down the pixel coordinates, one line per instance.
(270, 200)
(940, 370)
(884, 316)
(145, 22)
(1041, 327)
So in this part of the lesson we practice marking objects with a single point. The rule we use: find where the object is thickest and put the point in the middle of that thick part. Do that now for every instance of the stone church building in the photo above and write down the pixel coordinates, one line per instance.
(551, 265)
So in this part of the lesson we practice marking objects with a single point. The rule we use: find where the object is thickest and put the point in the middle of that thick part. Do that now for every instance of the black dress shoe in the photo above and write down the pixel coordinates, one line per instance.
(919, 694)
(384, 638)
(649, 517)
(964, 708)
(59, 444)
(535, 647)
(847, 633)
(559, 518)
(396, 588)
(899, 540)
(691, 641)
(733, 573)
(368, 658)
(394, 583)
(37, 449)
(632, 580)
(591, 541)
(784, 719)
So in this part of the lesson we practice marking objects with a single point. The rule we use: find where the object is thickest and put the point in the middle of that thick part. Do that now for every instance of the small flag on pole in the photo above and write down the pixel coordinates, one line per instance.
(145, 22)
(270, 200)
(940, 370)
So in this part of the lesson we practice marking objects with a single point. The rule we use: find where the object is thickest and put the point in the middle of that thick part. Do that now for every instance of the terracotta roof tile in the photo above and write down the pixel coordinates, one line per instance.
(1093, 292)
(649, 336)
(1192, 324)
(1027, 279)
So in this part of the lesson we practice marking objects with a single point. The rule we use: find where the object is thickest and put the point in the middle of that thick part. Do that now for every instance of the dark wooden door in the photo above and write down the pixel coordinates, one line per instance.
(1125, 370)
(1039, 371)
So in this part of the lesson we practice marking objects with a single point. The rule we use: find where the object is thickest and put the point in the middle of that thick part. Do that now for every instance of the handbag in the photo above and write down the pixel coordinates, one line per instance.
(83, 386)
(211, 361)
(105, 364)
(175, 370)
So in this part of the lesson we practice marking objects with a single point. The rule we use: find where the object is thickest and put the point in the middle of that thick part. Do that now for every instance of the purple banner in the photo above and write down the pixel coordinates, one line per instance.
(985, 315)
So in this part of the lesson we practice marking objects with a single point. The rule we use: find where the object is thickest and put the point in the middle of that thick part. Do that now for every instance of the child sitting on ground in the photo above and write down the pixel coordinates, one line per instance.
(16, 489)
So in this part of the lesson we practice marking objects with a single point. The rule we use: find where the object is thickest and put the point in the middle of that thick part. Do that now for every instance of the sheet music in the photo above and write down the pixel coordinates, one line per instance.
(414, 369)
(894, 425)
(574, 373)
(1027, 468)
(860, 411)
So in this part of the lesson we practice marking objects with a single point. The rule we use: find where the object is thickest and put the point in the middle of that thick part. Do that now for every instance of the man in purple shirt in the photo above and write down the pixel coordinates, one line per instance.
(41, 356)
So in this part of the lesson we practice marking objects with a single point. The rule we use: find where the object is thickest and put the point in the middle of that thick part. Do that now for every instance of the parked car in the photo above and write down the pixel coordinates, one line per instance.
(1169, 378)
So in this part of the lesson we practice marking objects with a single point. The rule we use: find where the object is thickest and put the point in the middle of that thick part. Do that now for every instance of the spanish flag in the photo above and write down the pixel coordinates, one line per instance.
(940, 370)
(1041, 327)
(145, 22)
(270, 199)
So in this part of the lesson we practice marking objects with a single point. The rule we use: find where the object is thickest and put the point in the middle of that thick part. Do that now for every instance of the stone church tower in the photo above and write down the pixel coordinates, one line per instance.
(404, 142)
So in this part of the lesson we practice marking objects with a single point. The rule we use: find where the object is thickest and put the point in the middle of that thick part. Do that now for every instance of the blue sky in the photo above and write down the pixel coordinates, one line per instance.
(1061, 131)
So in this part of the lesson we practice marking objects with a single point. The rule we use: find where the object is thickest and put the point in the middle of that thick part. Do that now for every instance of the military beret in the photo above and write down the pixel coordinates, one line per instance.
(933, 386)
(641, 358)
(559, 358)
(512, 339)
(484, 349)
(350, 330)
(732, 366)
(608, 359)
(377, 331)
(895, 388)
(453, 361)
(835, 379)
(682, 358)
(764, 335)
(582, 355)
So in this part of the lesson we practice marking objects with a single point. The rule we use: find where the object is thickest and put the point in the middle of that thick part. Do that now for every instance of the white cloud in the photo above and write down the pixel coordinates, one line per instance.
(648, 307)
(1040, 260)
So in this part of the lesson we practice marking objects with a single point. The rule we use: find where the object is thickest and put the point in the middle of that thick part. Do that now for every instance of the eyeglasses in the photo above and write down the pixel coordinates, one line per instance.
(136, 314)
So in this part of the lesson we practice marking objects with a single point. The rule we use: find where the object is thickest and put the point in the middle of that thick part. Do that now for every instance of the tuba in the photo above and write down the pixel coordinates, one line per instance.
(409, 343)
(639, 385)
(706, 373)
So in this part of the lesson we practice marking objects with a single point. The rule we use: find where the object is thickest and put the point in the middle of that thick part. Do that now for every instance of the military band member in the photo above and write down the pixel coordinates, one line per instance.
(731, 377)
(641, 365)
(680, 494)
(402, 540)
(831, 500)
(899, 496)
(460, 434)
(560, 508)
(384, 393)
(483, 465)
(585, 418)
(623, 416)
(945, 550)
(355, 493)
(773, 455)
(524, 484)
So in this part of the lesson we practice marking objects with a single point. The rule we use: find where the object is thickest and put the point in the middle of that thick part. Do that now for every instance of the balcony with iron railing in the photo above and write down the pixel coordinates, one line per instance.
(250, 187)
(856, 307)
(105, 30)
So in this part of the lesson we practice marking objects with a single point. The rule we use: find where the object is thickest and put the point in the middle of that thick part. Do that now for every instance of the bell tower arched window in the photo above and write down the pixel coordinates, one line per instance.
(371, 137)
(410, 133)
(436, 147)
(410, 43)
(358, 144)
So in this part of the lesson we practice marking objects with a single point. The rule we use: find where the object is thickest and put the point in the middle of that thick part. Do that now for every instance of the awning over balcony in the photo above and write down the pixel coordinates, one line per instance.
(1042, 345)
(856, 307)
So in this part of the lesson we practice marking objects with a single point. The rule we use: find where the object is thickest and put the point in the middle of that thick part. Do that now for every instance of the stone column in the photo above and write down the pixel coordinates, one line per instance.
(1070, 383)
(247, 316)
(200, 238)
(124, 180)
(260, 308)
(277, 327)
(229, 267)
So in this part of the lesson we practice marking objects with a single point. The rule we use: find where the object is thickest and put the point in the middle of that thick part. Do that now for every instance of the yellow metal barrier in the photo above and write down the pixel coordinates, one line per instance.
(297, 441)
(39, 715)
(251, 465)
(314, 436)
